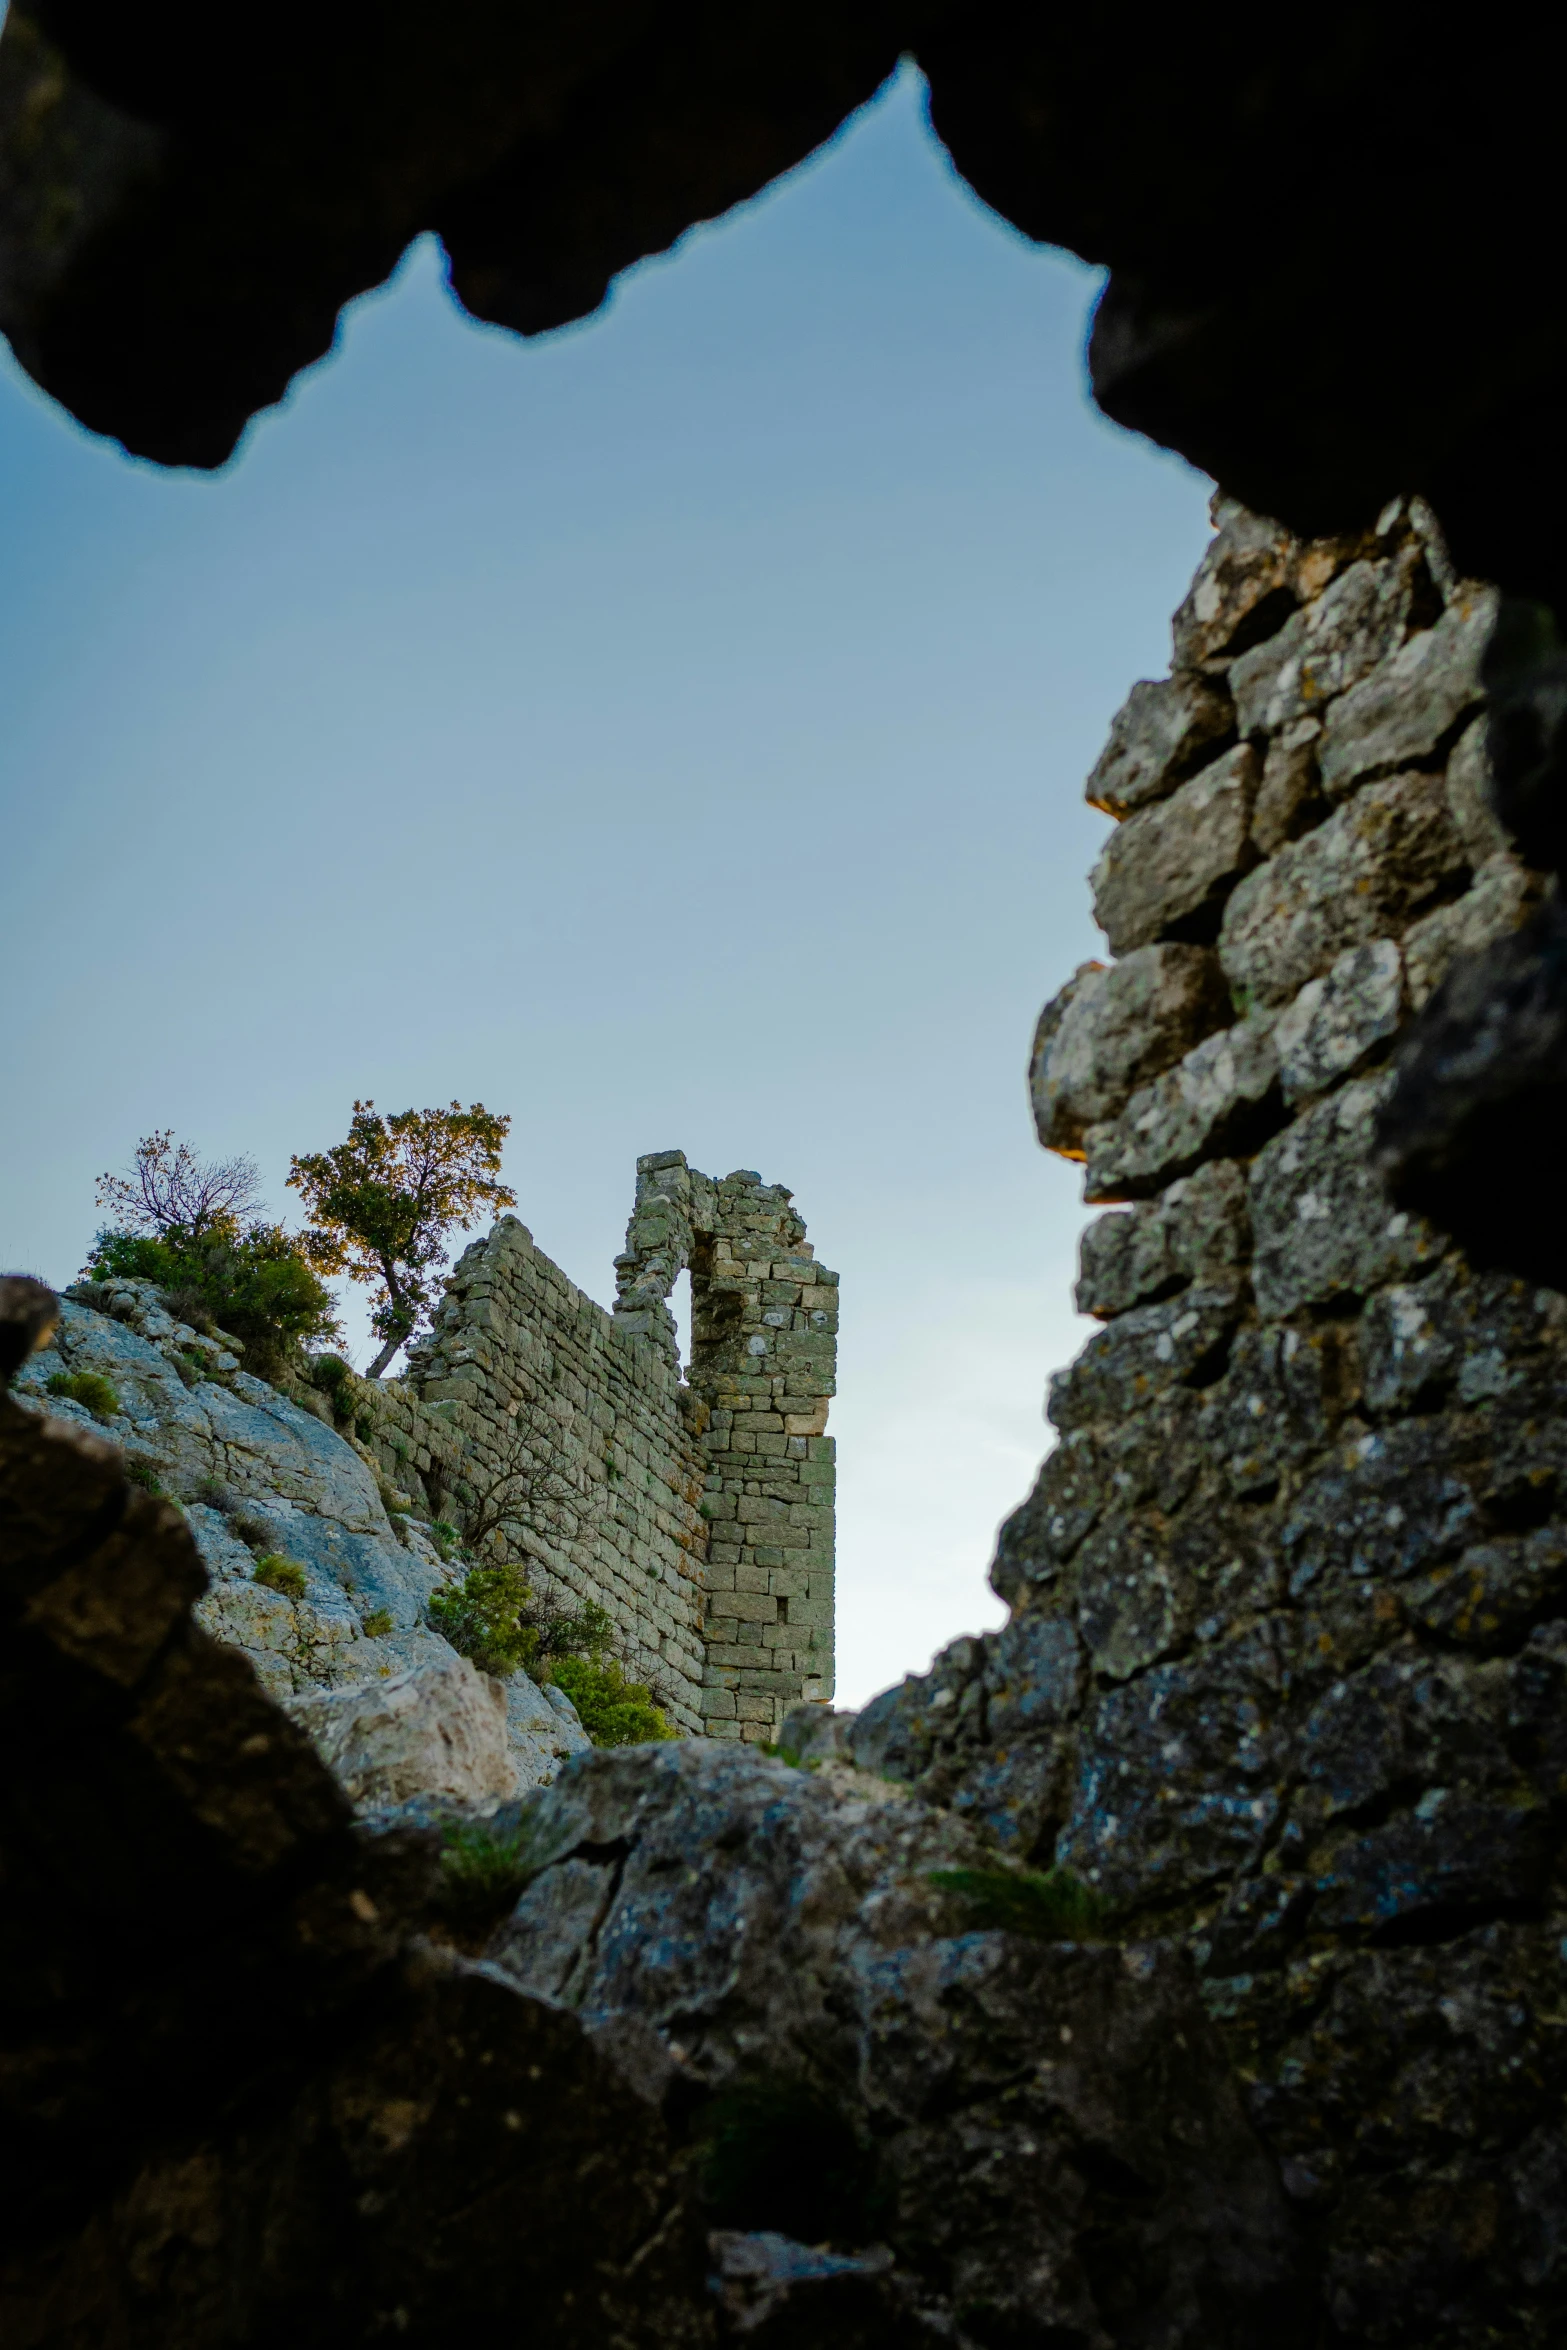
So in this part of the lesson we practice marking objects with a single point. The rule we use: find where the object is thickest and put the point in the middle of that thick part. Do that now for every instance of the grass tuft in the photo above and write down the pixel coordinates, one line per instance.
(280, 1574)
(1051, 1907)
(88, 1388)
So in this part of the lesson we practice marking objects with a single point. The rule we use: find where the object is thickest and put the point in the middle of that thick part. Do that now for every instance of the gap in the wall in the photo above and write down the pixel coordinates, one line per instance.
(680, 1307)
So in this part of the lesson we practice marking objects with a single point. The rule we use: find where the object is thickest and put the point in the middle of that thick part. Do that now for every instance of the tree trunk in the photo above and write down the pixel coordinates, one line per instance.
(384, 1357)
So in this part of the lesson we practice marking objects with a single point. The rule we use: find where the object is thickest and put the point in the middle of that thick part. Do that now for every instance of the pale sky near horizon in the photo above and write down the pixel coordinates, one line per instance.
(671, 732)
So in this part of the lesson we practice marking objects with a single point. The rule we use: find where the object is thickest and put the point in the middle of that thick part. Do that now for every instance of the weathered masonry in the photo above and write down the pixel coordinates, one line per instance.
(1286, 1669)
(699, 1511)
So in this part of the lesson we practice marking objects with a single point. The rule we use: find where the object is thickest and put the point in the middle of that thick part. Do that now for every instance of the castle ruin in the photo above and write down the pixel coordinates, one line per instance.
(701, 1508)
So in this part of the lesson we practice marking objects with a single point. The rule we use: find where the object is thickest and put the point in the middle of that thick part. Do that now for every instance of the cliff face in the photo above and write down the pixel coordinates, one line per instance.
(1287, 1661)
(259, 1474)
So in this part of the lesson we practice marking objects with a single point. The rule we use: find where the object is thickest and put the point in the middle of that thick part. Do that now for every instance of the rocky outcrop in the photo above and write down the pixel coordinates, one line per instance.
(260, 1476)
(438, 1730)
(761, 2053)
(1038, 2134)
(1283, 1676)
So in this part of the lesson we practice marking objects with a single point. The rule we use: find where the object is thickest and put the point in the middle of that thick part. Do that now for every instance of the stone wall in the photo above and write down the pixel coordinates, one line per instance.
(1286, 1668)
(699, 1513)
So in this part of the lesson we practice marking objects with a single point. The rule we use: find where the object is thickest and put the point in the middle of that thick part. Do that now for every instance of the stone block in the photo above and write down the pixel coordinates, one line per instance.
(1289, 796)
(1469, 794)
(1325, 647)
(1412, 701)
(1174, 863)
(1337, 1020)
(751, 1607)
(1377, 861)
(1198, 1229)
(1244, 589)
(1112, 1030)
(1222, 1097)
(1162, 733)
(1140, 1355)
(1322, 1224)
(1502, 895)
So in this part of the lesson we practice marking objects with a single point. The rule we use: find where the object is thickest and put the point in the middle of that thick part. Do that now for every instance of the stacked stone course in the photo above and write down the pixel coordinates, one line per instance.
(699, 1513)
(1286, 1669)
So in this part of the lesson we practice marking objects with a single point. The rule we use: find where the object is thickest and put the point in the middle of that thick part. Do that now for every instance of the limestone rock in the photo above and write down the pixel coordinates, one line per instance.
(1142, 1353)
(1337, 1020)
(439, 1729)
(1221, 1097)
(1109, 1031)
(1382, 857)
(1323, 1223)
(1196, 1230)
(1397, 716)
(1244, 588)
(1160, 735)
(1469, 800)
(1289, 795)
(1180, 1773)
(1283, 1394)
(1502, 895)
(1481, 1084)
(754, 1925)
(1174, 862)
(1324, 648)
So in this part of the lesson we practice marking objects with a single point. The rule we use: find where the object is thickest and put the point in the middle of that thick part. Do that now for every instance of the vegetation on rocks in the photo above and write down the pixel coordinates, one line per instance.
(493, 1617)
(280, 1574)
(1050, 1905)
(191, 1227)
(613, 1710)
(88, 1388)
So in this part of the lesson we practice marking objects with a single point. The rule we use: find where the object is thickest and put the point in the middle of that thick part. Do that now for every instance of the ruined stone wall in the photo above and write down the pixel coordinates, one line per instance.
(764, 1321)
(699, 1514)
(1286, 1669)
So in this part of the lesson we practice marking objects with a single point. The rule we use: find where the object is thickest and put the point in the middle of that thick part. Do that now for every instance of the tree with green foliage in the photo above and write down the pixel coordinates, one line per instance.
(191, 1227)
(383, 1202)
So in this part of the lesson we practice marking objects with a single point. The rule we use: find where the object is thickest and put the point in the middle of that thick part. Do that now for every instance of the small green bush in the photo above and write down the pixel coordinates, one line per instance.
(333, 1376)
(614, 1711)
(280, 1574)
(486, 1617)
(143, 1473)
(88, 1388)
(1053, 1907)
(445, 1536)
(255, 1284)
(377, 1623)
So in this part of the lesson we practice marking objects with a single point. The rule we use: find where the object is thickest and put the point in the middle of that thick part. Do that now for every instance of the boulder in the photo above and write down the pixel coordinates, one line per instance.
(1024, 2136)
(437, 1730)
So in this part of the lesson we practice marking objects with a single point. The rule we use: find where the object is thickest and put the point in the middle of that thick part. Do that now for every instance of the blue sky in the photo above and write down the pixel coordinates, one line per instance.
(671, 732)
